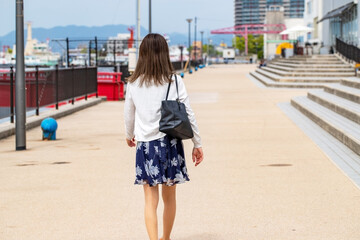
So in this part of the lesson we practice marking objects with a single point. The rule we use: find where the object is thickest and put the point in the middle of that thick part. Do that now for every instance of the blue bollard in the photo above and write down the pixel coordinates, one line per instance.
(49, 126)
(190, 71)
(196, 68)
(182, 75)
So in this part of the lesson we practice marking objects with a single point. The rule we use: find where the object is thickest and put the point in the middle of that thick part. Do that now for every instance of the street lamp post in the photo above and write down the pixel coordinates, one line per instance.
(208, 50)
(137, 28)
(150, 30)
(20, 104)
(189, 20)
(201, 49)
(181, 56)
(195, 51)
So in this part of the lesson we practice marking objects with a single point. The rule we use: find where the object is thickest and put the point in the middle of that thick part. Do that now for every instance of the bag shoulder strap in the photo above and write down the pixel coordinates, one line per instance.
(177, 89)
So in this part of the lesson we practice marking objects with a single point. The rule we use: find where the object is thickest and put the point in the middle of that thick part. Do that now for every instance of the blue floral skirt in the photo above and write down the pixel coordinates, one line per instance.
(160, 161)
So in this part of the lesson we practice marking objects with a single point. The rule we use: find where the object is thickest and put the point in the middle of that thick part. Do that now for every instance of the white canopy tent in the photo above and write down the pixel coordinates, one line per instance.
(296, 31)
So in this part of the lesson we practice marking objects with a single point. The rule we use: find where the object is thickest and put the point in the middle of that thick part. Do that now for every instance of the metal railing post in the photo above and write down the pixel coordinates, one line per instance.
(97, 93)
(114, 52)
(57, 86)
(12, 94)
(86, 79)
(73, 85)
(37, 89)
(90, 53)
(67, 53)
(96, 52)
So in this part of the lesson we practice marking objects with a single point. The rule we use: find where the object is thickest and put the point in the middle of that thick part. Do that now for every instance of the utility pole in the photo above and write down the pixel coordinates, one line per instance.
(96, 52)
(201, 49)
(20, 104)
(150, 30)
(181, 56)
(195, 51)
(189, 20)
(67, 53)
(137, 28)
(89, 52)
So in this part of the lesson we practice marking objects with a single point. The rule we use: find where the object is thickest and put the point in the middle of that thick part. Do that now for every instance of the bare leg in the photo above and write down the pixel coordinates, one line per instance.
(169, 198)
(151, 203)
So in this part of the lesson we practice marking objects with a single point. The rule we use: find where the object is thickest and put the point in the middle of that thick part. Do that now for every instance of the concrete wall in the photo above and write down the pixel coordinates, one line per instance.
(272, 17)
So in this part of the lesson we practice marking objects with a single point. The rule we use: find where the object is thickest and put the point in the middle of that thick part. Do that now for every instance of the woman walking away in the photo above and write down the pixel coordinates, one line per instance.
(160, 158)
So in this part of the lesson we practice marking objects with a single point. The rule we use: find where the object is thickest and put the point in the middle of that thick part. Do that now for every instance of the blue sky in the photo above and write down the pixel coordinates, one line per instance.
(168, 15)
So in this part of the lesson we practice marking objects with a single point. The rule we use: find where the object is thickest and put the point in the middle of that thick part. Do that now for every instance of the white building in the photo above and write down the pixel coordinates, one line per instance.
(276, 15)
(333, 19)
(312, 14)
(120, 42)
(340, 19)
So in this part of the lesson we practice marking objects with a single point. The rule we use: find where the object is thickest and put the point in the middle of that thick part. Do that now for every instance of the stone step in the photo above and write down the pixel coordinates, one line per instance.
(351, 82)
(271, 83)
(315, 56)
(283, 68)
(305, 58)
(342, 156)
(307, 74)
(311, 58)
(345, 130)
(313, 66)
(278, 78)
(311, 61)
(349, 93)
(344, 107)
(337, 62)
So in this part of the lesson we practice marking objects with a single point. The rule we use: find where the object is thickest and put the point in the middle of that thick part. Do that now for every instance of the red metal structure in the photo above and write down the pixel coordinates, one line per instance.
(110, 85)
(131, 40)
(245, 30)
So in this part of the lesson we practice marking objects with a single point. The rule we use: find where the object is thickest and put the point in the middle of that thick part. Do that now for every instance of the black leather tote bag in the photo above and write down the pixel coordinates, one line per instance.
(174, 119)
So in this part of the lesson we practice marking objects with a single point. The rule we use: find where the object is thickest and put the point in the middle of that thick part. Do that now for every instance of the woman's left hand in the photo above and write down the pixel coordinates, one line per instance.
(131, 143)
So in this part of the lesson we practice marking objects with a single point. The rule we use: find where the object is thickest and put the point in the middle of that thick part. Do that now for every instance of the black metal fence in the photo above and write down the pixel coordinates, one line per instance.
(94, 52)
(103, 53)
(349, 51)
(47, 87)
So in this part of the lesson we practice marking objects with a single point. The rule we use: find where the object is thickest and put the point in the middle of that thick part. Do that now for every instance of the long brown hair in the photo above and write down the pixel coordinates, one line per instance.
(153, 64)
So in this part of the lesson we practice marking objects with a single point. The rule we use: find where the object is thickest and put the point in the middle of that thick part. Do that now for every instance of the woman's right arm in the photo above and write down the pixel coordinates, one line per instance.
(129, 115)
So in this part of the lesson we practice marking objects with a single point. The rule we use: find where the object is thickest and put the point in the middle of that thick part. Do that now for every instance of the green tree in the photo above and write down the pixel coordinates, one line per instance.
(255, 44)
(240, 43)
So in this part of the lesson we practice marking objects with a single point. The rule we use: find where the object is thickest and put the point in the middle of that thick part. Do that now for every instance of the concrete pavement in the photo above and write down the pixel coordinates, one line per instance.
(262, 178)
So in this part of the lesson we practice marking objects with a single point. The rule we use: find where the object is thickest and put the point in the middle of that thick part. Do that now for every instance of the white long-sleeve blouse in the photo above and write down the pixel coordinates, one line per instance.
(142, 110)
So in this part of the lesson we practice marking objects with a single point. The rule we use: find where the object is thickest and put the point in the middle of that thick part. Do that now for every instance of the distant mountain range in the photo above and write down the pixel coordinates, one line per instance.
(102, 32)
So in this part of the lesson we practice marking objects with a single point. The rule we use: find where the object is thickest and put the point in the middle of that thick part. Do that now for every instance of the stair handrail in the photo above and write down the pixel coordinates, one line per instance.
(349, 51)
